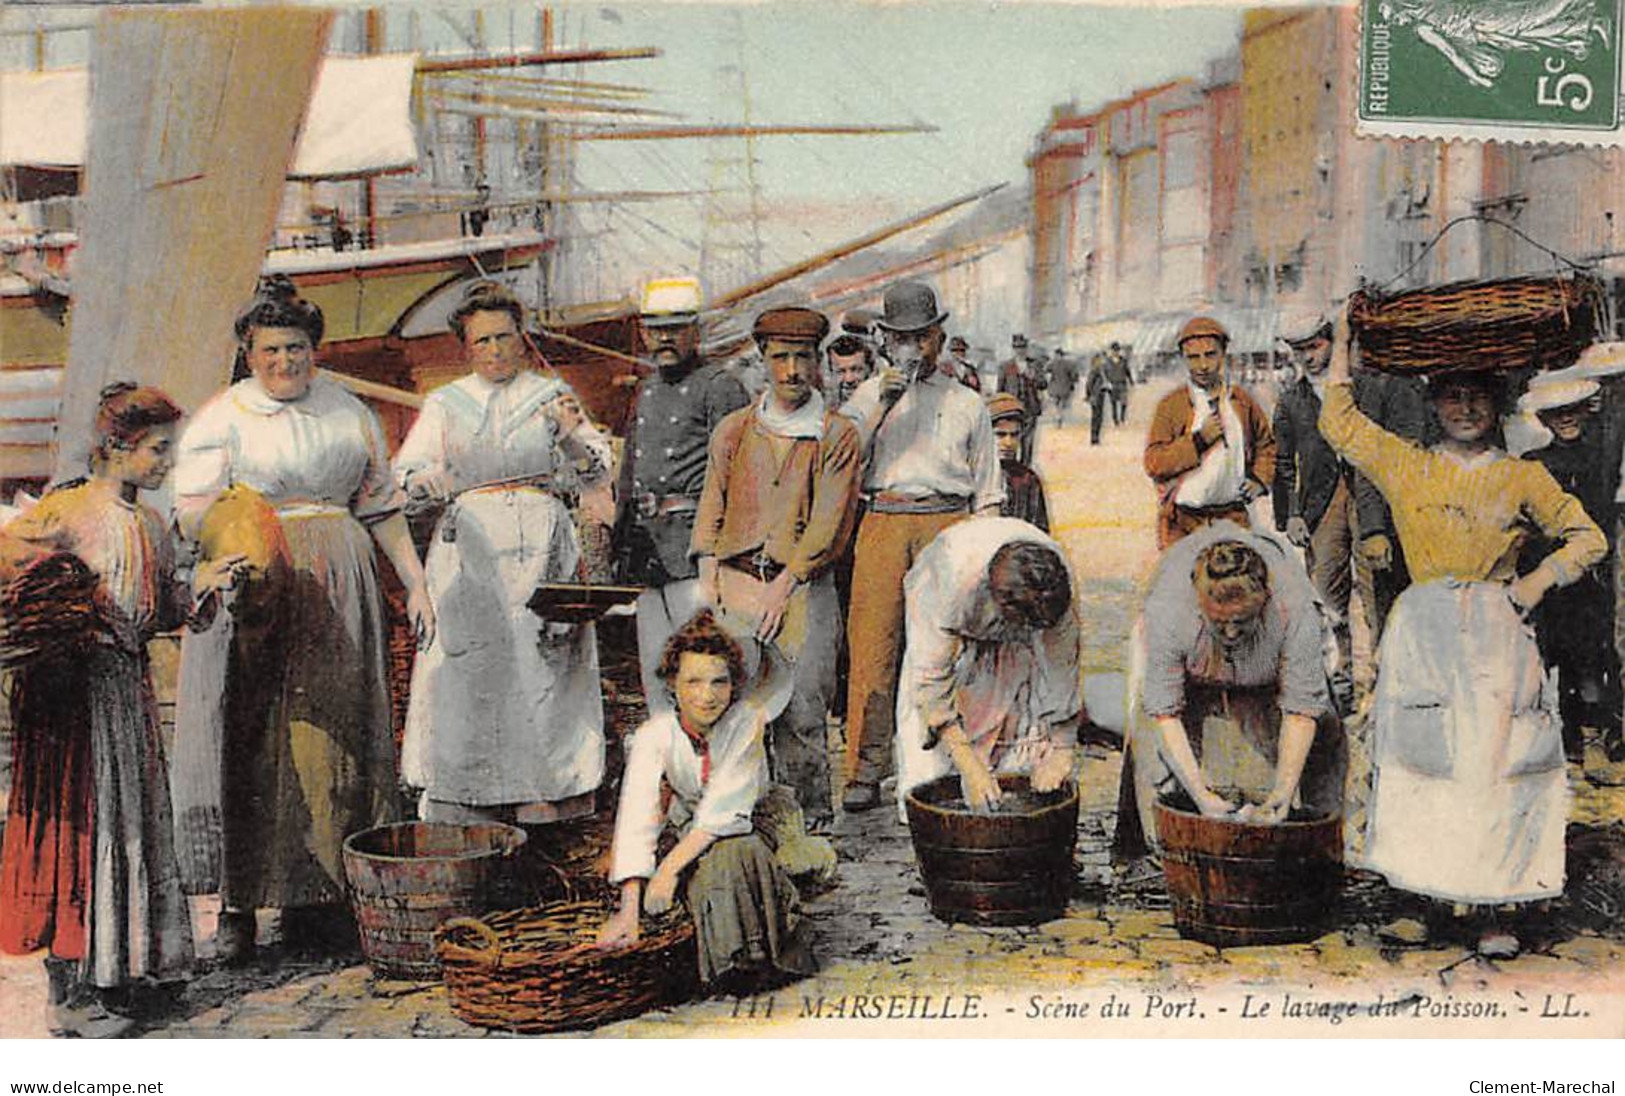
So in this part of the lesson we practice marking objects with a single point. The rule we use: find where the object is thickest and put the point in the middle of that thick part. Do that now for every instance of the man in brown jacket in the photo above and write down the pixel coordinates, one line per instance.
(1211, 449)
(776, 512)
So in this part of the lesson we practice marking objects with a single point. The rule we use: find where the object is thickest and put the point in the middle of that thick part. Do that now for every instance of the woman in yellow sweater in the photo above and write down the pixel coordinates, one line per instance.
(1469, 796)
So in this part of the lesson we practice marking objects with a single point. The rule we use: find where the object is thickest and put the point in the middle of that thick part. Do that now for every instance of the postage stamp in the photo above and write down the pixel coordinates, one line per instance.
(1504, 70)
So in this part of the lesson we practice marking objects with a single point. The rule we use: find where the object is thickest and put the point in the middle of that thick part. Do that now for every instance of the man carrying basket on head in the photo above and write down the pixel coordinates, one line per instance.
(1469, 797)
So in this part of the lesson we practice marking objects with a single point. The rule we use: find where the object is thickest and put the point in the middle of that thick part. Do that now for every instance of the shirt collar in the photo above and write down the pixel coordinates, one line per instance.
(806, 421)
(250, 395)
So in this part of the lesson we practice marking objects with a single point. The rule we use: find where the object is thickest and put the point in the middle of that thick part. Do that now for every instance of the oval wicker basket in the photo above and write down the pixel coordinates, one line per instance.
(1506, 324)
(538, 970)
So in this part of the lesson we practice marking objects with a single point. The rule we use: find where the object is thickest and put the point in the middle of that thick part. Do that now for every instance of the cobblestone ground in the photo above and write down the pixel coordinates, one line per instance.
(883, 953)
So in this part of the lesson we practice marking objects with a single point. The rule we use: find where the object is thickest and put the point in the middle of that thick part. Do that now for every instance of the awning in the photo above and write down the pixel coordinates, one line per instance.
(1091, 337)
(359, 121)
(1156, 335)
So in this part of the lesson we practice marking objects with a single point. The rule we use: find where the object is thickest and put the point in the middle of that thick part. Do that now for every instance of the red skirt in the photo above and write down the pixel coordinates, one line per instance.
(45, 860)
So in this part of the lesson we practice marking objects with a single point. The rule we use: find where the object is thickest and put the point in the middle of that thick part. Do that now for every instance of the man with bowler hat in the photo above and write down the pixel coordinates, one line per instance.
(775, 515)
(931, 461)
(678, 407)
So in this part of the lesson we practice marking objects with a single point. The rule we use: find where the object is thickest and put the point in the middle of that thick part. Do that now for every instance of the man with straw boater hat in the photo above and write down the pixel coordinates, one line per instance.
(930, 461)
(776, 513)
(1574, 625)
(1314, 491)
(1210, 450)
(678, 408)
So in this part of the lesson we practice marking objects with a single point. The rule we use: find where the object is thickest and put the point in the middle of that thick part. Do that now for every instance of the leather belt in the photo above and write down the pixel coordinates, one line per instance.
(885, 502)
(758, 565)
(651, 505)
(1220, 508)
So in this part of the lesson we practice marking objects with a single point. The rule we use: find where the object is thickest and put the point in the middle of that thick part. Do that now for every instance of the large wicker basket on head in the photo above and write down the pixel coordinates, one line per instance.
(1508, 324)
(538, 969)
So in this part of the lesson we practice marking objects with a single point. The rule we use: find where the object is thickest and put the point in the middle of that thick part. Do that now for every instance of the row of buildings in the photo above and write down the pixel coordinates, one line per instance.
(1244, 192)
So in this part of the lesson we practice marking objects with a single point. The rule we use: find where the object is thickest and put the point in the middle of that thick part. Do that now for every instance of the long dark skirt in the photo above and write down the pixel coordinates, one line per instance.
(747, 914)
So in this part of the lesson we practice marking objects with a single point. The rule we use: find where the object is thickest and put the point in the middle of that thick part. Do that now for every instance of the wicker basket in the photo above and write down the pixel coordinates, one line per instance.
(1510, 324)
(538, 970)
(48, 611)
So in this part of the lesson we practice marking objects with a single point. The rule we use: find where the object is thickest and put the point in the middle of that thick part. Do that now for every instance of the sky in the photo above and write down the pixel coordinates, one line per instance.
(987, 75)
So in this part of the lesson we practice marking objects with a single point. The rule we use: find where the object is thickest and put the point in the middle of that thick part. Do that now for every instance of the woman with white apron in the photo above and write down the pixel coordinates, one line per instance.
(990, 680)
(506, 715)
(1469, 797)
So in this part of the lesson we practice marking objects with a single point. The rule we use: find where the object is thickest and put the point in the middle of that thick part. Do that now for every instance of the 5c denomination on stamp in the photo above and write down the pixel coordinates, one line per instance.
(1505, 70)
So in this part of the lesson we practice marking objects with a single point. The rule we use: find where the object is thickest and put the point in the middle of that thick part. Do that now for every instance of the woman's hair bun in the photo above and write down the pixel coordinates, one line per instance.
(276, 287)
(115, 388)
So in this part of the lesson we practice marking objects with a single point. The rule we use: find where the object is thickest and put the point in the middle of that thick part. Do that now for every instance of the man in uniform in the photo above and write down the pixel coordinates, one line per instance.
(1210, 450)
(678, 407)
(1021, 377)
(776, 513)
(931, 460)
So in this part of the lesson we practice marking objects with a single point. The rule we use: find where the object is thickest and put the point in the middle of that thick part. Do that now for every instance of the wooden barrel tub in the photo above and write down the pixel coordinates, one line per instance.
(409, 877)
(1010, 867)
(1235, 884)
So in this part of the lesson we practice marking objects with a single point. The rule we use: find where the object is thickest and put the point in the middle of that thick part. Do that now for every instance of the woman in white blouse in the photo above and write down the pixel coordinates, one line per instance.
(506, 720)
(293, 743)
(710, 751)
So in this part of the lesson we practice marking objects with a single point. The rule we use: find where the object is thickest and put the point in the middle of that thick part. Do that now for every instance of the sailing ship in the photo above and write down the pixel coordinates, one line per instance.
(413, 173)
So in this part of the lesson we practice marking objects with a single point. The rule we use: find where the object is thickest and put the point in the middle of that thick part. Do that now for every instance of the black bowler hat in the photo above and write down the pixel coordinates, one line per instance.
(909, 307)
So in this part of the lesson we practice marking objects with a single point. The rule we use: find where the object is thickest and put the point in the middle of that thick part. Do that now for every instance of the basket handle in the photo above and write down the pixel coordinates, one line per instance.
(487, 955)
(1464, 219)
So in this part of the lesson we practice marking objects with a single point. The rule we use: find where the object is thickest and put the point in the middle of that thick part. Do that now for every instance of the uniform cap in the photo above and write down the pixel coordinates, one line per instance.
(671, 301)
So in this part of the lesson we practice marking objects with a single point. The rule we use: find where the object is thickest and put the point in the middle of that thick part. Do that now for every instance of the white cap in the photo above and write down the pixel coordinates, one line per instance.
(1603, 359)
(1550, 395)
(670, 301)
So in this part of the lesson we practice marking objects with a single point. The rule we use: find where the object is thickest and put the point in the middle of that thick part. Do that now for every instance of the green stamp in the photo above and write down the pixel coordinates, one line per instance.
(1548, 64)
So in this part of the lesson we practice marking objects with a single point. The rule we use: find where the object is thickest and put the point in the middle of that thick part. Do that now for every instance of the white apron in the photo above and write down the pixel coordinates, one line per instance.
(1469, 793)
(506, 708)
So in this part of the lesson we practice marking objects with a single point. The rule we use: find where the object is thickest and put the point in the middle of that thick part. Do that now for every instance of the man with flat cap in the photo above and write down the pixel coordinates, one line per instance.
(1023, 490)
(930, 461)
(678, 407)
(959, 364)
(775, 514)
(1023, 378)
(1210, 450)
(1313, 493)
